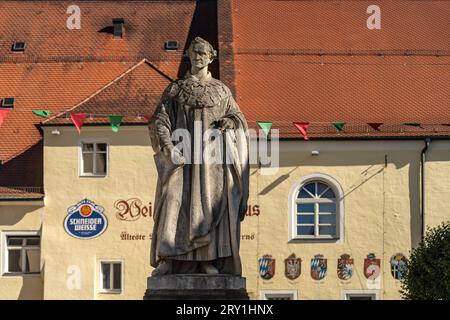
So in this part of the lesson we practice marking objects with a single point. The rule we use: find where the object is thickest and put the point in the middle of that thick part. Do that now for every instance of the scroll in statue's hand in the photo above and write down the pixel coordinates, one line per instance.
(224, 124)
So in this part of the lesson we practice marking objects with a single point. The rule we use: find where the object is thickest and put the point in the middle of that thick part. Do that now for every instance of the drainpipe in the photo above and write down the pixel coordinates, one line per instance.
(422, 184)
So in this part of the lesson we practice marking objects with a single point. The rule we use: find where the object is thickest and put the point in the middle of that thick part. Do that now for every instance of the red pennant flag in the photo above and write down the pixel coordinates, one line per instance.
(375, 126)
(147, 117)
(78, 120)
(302, 127)
(3, 115)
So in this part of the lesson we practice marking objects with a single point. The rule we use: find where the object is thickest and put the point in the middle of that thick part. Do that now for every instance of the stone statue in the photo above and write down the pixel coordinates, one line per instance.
(198, 206)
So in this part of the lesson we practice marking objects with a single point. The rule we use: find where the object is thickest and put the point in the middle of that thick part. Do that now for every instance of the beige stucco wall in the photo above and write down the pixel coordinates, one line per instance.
(381, 212)
(19, 217)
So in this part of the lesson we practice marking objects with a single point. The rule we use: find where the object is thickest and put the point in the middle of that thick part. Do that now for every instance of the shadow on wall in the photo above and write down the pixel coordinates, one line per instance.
(32, 288)
(26, 168)
(11, 215)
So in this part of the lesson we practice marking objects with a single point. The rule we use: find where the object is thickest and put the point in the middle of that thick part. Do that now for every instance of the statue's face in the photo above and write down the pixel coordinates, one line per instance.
(200, 56)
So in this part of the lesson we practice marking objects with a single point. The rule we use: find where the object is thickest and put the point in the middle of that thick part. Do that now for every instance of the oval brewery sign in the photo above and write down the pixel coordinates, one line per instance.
(85, 220)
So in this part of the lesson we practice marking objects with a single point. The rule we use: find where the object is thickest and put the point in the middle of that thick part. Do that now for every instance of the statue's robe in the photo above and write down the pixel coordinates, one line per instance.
(199, 207)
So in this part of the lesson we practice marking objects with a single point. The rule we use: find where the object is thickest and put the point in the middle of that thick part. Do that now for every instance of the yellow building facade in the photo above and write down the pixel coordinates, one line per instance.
(377, 186)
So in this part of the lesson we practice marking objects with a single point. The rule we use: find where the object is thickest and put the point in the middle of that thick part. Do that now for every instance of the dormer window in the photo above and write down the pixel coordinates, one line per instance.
(18, 46)
(171, 45)
(8, 102)
(119, 29)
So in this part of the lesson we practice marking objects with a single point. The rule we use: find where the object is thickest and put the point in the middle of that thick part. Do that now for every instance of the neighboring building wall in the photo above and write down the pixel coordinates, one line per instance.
(19, 217)
(381, 213)
(131, 175)
(437, 183)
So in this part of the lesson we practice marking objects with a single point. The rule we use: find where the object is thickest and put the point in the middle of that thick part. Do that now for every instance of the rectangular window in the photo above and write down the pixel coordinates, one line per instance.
(278, 295)
(111, 277)
(94, 158)
(361, 295)
(22, 255)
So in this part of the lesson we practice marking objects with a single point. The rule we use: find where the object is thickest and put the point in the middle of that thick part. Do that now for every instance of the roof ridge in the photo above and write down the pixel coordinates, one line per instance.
(98, 91)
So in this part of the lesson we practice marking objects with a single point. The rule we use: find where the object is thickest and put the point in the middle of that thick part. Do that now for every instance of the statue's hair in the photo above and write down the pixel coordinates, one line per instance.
(206, 43)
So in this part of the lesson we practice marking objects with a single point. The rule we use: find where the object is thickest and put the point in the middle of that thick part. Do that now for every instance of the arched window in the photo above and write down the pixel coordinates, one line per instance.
(316, 208)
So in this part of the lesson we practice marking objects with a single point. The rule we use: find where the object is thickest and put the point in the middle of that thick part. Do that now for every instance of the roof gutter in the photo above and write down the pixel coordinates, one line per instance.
(422, 184)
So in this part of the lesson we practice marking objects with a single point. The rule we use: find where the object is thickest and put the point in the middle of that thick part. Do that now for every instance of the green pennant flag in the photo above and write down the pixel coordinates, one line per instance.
(339, 125)
(412, 124)
(115, 121)
(265, 126)
(42, 113)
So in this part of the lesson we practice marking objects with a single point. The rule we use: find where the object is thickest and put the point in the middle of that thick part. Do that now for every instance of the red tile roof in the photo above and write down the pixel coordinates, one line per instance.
(316, 61)
(47, 86)
(60, 68)
(148, 24)
(20, 193)
(133, 94)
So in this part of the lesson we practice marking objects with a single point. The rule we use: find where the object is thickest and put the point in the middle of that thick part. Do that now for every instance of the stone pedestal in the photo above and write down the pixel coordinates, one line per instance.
(196, 287)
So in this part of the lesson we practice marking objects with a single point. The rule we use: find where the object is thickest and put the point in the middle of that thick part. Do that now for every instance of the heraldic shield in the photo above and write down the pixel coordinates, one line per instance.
(345, 267)
(318, 267)
(266, 267)
(293, 267)
(398, 265)
(371, 267)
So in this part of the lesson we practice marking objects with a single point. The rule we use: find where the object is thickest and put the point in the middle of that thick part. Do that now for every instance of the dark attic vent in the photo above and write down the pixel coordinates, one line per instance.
(8, 102)
(171, 45)
(18, 46)
(119, 29)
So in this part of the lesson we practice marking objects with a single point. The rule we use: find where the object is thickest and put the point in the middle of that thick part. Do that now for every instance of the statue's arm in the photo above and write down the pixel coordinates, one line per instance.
(162, 120)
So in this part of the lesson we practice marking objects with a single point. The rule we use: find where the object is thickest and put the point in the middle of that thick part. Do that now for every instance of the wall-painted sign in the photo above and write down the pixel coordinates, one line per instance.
(345, 267)
(132, 209)
(293, 267)
(372, 267)
(398, 265)
(85, 220)
(266, 267)
(318, 267)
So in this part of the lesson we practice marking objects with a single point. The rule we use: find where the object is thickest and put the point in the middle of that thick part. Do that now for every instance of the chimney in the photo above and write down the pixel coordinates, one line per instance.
(119, 28)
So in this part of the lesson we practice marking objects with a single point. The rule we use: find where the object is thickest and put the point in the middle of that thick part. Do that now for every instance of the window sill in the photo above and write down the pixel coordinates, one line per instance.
(93, 176)
(315, 240)
(13, 274)
(110, 292)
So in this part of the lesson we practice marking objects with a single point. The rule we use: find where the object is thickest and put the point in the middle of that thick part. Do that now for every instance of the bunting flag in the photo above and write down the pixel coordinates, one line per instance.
(78, 120)
(375, 126)
(265, 126)
(115, 121)
(339, 125)
(3, 115)
(302, 127)
(41, 113)
(147, 116)
(412, 124)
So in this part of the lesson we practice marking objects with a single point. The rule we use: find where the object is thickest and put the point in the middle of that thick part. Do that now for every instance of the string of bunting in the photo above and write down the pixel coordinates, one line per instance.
(115, 121)
(302, 127)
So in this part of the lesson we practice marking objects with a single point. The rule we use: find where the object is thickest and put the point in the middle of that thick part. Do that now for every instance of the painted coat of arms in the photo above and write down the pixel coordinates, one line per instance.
(267, 267)
(398, 265)
(371, 267)
(318, 267)
(345, 267)
(293, 267)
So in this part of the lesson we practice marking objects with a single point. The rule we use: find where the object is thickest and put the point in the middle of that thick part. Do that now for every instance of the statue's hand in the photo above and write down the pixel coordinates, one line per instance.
(225, 123)
(174, 154)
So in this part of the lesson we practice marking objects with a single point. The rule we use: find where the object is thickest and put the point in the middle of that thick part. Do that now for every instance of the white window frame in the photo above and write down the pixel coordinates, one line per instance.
(4, 252)
(265, 294)
(346, 294)
(100, 279)
(81, 162)
(292, 205)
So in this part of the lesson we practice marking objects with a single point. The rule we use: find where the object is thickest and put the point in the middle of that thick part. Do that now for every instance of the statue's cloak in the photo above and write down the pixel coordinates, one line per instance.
(198, 207)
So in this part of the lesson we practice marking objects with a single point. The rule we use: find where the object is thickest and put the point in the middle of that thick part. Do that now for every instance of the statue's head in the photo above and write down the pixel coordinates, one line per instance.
(201, 53)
